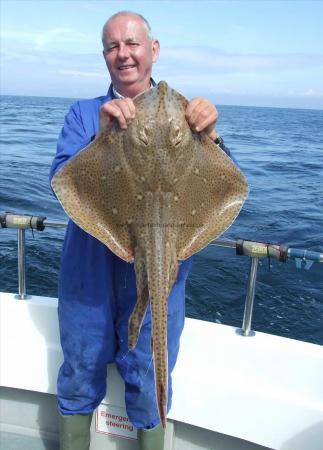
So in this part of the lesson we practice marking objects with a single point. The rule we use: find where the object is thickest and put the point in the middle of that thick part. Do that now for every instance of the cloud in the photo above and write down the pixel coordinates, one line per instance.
(41, 58)
(209, 58)
(40, 40)
(79, 73)
(308, 93)
(230, 77)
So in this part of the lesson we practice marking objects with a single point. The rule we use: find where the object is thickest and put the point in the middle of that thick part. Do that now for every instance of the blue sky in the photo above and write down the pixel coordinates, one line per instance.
(264, 53)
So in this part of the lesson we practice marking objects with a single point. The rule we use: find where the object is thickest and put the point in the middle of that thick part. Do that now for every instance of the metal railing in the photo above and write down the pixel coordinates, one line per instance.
(254, 250)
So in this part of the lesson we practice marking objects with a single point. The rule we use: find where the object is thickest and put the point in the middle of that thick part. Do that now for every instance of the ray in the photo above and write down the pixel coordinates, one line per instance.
(155, 194)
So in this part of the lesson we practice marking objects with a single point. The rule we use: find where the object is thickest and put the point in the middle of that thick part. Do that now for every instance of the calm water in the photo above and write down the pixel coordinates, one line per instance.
(281, 153)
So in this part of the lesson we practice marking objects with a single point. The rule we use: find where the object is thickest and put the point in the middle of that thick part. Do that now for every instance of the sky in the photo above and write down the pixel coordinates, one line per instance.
(235, 52)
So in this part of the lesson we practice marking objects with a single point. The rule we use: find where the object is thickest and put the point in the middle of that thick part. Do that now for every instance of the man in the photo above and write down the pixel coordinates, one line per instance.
(97, 290)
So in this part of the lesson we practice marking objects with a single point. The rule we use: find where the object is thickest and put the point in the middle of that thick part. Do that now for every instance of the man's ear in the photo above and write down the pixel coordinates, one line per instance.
(155, 49)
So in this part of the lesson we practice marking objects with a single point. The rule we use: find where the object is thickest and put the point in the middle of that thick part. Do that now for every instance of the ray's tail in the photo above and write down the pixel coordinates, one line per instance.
(162, 272)
(160, 355)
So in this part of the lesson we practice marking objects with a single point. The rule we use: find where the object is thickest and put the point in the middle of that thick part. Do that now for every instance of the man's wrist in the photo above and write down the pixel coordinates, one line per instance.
(213, 134)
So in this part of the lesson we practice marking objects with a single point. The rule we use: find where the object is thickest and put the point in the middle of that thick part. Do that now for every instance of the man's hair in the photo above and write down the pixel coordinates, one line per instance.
(120, 13)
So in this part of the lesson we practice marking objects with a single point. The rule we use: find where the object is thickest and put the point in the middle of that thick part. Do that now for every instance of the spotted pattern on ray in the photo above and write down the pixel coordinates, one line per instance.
(155, 194)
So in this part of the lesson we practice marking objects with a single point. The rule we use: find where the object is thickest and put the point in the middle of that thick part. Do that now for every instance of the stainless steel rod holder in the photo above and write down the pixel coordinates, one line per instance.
(253, 249)
(248, 309)
(55, 223)
(21, 264)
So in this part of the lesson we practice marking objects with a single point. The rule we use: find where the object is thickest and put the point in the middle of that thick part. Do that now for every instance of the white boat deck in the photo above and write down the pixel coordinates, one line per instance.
(230, 392)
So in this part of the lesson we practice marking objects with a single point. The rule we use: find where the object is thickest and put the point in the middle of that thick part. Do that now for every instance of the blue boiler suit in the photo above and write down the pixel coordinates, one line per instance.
(97, 294)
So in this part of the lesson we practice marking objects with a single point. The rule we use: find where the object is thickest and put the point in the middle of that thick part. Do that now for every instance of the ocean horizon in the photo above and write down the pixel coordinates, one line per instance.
(212, 98)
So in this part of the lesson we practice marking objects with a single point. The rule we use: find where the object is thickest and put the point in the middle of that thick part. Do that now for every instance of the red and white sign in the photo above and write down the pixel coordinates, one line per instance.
(113, 420)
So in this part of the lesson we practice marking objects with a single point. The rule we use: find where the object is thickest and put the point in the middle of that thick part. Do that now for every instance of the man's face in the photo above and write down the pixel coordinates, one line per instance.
(129, 54)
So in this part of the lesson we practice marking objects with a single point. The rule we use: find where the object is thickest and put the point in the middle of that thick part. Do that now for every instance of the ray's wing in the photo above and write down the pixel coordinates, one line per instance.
(95, 191)
(213, 197)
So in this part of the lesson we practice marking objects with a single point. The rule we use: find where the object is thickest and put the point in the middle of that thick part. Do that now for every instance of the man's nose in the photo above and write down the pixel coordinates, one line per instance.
(123, 51)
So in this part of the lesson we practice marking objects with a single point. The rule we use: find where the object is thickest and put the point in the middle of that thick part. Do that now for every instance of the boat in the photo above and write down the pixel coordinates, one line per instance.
(250, 390)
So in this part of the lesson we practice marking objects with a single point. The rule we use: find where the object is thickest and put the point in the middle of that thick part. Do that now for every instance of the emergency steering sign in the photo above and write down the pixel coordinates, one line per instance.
(113, 420)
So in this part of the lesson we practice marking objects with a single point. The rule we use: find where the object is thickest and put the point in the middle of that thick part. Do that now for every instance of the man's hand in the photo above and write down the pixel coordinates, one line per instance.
(122, 109)
(202, 115)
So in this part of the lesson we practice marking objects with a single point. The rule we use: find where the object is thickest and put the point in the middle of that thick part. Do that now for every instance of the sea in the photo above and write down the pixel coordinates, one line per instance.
(279, 150)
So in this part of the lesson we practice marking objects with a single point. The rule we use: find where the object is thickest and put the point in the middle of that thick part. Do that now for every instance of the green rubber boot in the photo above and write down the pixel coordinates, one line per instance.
(152, 439)
(74, 432)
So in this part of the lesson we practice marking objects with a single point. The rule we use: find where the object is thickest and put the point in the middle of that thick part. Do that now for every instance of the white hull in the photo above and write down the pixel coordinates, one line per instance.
(230, 392)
